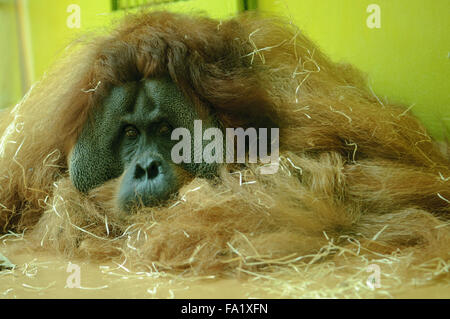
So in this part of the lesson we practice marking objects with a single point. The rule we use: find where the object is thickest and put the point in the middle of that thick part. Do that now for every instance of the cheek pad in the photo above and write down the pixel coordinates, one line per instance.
(93, 160)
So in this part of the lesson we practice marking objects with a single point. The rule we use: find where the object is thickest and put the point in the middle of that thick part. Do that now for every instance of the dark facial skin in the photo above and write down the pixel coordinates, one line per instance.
(130, 134)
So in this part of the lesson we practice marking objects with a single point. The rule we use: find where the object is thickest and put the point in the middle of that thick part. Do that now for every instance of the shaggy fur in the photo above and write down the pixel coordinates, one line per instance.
(353, 168)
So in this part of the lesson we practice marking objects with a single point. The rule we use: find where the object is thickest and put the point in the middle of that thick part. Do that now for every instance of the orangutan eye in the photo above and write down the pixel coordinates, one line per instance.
(164, 128)
(131, 132)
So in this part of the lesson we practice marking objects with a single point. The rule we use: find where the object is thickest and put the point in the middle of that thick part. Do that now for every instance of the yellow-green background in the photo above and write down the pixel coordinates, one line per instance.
(407, 59)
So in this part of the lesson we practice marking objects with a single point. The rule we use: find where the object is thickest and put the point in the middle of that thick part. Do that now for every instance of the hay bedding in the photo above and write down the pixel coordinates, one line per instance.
(360, 180)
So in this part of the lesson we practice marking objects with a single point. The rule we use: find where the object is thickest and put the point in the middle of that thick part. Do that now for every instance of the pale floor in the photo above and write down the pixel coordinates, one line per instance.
(42, 275)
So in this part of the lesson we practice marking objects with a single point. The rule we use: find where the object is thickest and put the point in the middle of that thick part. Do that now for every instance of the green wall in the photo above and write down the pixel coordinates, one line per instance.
(407, 59)
(10, 73)
(49, 30)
